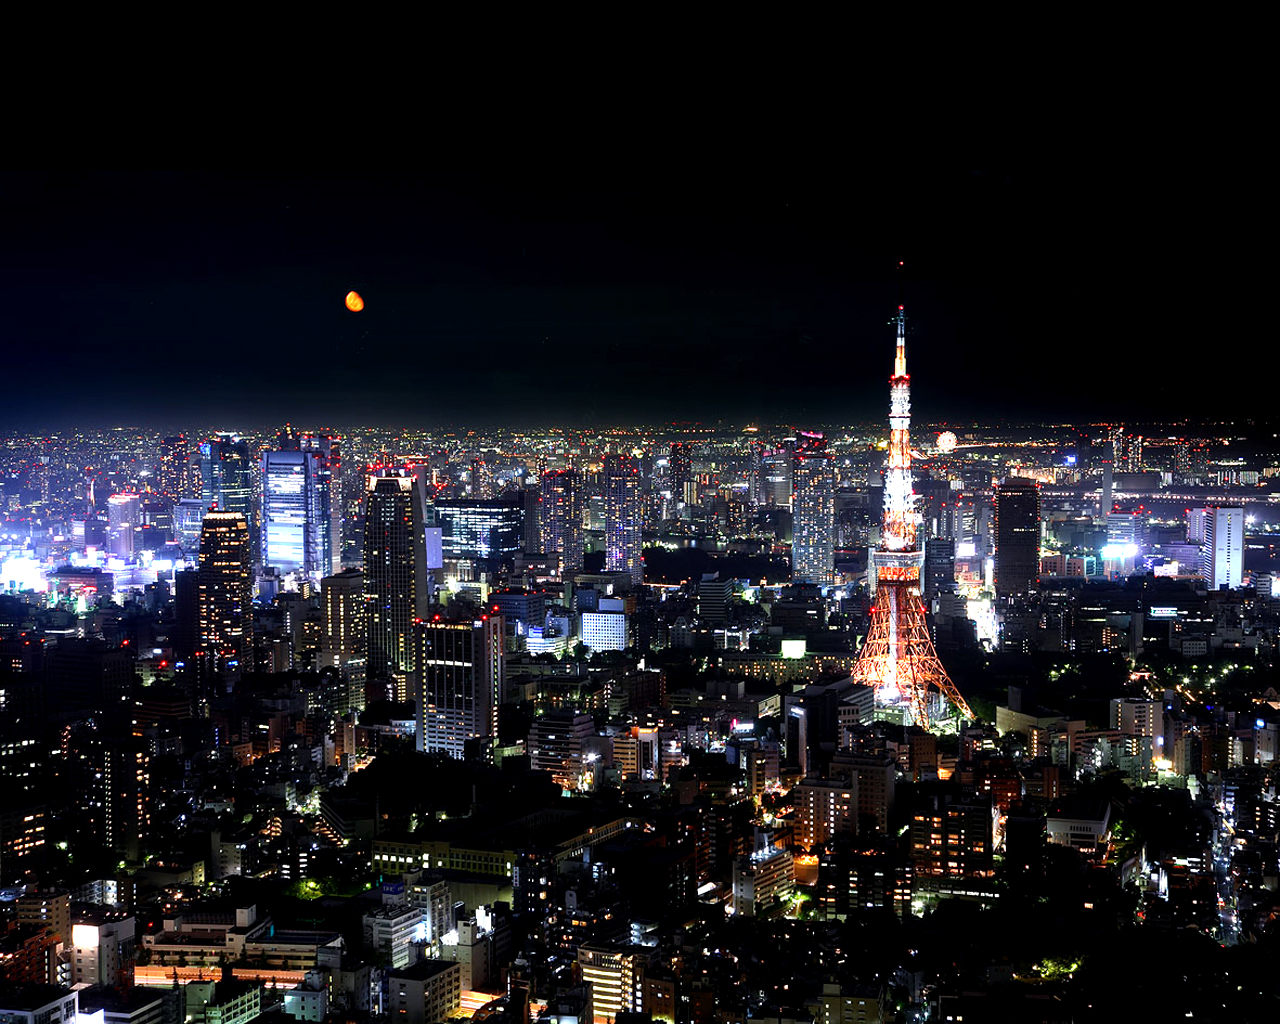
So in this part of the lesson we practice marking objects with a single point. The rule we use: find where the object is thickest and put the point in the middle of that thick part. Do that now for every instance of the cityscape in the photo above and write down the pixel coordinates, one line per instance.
(588, 719)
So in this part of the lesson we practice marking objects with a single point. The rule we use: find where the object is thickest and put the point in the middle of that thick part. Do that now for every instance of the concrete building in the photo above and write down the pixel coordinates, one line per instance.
(429, 991)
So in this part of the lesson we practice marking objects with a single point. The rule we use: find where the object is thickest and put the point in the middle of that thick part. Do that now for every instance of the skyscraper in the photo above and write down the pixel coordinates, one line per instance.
(124, 515)
(301, 521)
(680, 468)
(225, 591)
(173, 471)
(489, 531)
(226, 478)
(814, 512)
(777, 467)
(459, 675)
(1017, 534)
(1222, 562)
(395, 572)
(560, 514)
(623, 515)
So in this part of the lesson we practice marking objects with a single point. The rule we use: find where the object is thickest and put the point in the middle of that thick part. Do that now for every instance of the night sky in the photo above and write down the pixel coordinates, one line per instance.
(544, 298)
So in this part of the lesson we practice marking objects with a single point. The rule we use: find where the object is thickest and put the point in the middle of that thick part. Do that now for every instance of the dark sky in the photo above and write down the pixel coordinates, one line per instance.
(672, 293)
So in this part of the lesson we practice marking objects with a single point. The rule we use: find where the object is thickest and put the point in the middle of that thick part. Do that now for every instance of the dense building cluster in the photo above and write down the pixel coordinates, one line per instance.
(571, 725)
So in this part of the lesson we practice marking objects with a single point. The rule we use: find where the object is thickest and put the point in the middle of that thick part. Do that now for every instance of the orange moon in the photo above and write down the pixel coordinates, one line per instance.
(354, 302)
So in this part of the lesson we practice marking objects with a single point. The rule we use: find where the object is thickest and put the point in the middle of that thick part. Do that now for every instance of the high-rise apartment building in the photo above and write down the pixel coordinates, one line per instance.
(225, 591)
(813, 511)
(1017, 535)
(395, 574)
(226, 478)
(623, 516)
(560, 514)
(459, 673)
(1222, 561)
(173, 469)
(343, 642)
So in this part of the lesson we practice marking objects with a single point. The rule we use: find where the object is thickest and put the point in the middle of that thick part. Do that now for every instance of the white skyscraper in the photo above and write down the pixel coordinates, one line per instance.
(1222, 561)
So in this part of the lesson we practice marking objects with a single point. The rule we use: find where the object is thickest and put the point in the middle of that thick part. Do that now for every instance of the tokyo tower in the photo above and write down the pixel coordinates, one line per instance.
(898, 657)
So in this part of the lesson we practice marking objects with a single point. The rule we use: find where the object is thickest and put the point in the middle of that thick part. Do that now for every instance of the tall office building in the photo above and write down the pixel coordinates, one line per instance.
(327, 475)
(226, 478)
(1222, 561)
(459, 675)
(814, 512)
(301, 511)
(395, 574)
(1017, 534)
(623, 516)
(225, 591)
(939, 567)
(124, 515)
(560, 515)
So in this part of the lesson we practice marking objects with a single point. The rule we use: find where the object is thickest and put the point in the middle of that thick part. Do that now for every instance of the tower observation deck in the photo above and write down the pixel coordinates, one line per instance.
(898, 657)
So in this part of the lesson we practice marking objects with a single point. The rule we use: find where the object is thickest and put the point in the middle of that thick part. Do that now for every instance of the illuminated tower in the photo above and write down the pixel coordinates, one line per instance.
(623, 512)
(898, 658)
(813, 505)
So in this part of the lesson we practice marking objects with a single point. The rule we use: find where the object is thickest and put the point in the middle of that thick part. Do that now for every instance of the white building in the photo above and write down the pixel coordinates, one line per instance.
(605, 630)
(1222, 563)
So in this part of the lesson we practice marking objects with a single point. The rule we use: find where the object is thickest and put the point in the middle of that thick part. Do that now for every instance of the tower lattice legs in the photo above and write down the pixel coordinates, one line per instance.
(899, 658)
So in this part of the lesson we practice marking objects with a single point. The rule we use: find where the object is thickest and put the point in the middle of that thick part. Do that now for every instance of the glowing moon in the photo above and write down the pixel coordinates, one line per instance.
(354, 302)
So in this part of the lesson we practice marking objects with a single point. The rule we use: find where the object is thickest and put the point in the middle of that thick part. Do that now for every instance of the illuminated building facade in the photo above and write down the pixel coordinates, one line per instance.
(898, 657)
(460, 672)
(623, 515)
(225, 591)
(395, 574)
(560, 515)
(1017, 532)
(301, 521)
(814, 510)
(487, 531)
